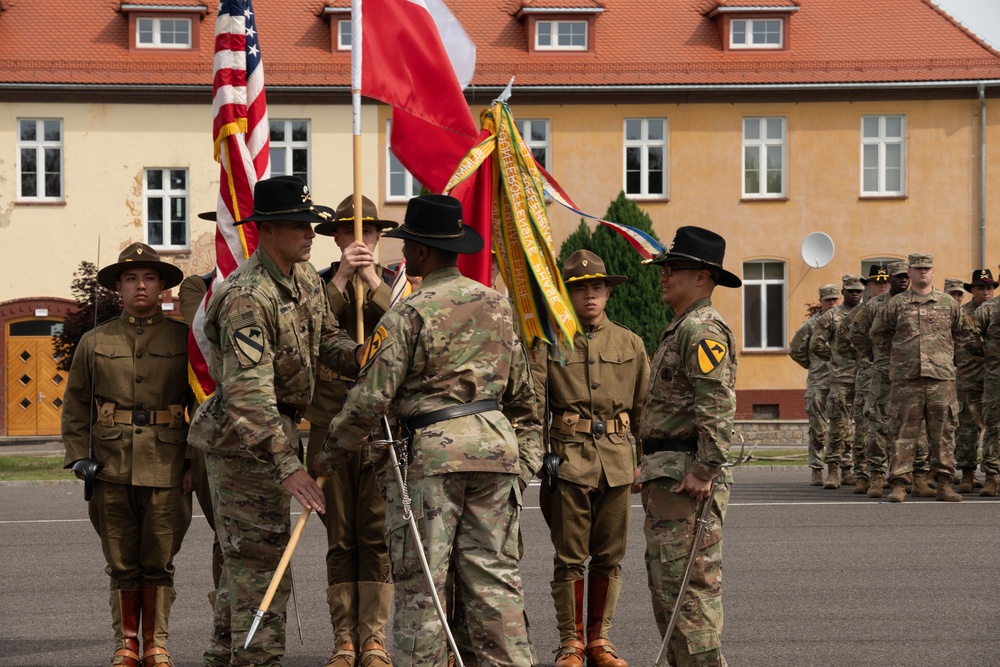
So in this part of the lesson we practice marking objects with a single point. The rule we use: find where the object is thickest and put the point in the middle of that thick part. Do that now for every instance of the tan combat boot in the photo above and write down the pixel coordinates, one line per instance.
(989, 486)
(944, 490)
(568, 598)
(847, 477)
(832, 476)
(875, 485)
(860, 486)
(921, 488)
(968, 482)
(816, 477)
(897, 491)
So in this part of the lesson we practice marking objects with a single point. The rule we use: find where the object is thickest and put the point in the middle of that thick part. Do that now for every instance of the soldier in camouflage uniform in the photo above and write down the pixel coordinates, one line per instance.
(986, 340)
(133, 369)
(953, 287)
(269, 325)
(878, 283)
(842, 370)
(817, 382)
(685, 430)
(969, 369)
(359, 591)
(920, 330)
(594, 394)
(449, 364)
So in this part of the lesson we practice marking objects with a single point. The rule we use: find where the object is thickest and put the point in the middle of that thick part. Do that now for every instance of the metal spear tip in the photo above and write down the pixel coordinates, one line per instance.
(257, 618)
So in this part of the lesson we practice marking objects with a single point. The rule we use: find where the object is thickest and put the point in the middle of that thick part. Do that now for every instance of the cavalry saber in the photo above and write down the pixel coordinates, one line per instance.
(703, 520)
(394, 462)
(282, 566)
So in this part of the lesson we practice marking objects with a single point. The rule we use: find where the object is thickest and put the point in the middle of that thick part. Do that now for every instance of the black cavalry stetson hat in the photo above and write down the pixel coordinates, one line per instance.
(139, 256)
(980, 277)
(695, 244)
(436, 221)
(345, 213)
(285, 199)
(878, 274)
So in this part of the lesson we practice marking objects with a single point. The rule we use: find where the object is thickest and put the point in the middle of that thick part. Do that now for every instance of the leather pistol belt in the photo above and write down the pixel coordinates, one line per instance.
(142, 417)
(596, 427)
(290, 411)
(444, 414)
(653, 445)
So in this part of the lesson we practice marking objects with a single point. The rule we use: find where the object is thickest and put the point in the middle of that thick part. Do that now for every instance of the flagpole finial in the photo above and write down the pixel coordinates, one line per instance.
(505, 95)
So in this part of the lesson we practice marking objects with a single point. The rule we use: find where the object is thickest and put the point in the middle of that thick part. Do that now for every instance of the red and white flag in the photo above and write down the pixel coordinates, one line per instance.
(242, 148)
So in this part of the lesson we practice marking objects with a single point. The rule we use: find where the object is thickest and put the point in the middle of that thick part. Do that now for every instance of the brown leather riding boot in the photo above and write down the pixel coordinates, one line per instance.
(156, 603)
(832, 476)
(568, 598)
(602, 597)
(126, 607)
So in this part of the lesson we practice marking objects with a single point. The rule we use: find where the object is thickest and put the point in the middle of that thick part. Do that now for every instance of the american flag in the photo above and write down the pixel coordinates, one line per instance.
(241, 133)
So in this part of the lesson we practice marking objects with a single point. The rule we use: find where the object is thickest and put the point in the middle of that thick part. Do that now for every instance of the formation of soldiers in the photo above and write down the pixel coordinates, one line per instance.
(477, 411)
(900, 387)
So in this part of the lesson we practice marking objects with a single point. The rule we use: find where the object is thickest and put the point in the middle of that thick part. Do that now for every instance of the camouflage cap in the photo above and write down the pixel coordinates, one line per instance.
(829, 291)
(853, 281)
(920, 260)
(897, 268)
(954, 285)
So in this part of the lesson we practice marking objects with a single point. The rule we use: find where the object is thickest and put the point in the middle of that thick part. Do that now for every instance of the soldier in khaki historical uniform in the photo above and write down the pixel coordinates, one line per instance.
(969, 369)
(126, 394)
(840, 402)
(817, 382)
(686, 426)
(359, 591)
(878, 283)
(593, 395)
(447, 361)
(920, 330)
(269, 325)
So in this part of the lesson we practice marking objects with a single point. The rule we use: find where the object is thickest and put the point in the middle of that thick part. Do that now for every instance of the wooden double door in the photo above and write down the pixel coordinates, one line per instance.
(34, 385)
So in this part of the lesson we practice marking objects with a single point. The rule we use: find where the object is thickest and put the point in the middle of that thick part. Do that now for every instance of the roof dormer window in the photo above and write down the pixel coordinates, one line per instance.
(756, 33)
(561, 35)
(173, 27)
(163, 33)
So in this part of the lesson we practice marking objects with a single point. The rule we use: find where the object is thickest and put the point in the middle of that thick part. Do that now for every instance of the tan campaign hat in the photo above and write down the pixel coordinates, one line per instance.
(853, 281)
(829, 291)
(921, 261)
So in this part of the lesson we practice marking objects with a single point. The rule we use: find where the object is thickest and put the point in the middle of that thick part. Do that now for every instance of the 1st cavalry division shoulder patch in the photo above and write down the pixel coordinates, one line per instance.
(250, 343)
(710, 354)
(374, 345)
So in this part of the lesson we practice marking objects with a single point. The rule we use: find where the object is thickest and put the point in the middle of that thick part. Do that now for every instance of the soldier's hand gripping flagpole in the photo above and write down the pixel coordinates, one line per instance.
(703, 520)
(280, 570)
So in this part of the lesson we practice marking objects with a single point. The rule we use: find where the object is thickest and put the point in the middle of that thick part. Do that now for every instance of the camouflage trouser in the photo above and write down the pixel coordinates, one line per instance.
(199, 477)
(970, 429)
(991, 435)
(877, 449)
(862, 427)
(252, 522)
(927, 405)
(471, 521)
(670, 528)
(818, 424)
(839, 405)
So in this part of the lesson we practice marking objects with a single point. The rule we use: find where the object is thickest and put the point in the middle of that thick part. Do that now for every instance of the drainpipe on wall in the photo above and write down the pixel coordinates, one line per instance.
(982, 174)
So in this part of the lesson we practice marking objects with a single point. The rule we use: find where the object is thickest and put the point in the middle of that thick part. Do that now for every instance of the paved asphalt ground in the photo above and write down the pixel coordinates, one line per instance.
(812, 577)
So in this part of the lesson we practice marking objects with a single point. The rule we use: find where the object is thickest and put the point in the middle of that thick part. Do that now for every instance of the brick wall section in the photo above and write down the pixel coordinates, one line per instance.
(784, 432)
(790, 402)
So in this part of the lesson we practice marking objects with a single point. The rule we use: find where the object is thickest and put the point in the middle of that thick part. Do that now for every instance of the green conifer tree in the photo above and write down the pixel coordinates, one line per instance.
(636, 304)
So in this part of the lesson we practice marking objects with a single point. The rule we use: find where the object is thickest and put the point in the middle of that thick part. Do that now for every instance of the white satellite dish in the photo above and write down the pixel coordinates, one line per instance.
(817, 250)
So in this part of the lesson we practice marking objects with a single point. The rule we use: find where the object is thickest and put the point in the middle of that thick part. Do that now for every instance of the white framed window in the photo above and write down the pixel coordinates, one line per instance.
(764, 305)
(883, 155)
(646, 158)
(400, 185)
(166, 208)
(535, 132)
(290, 148)
(561, 35)
(764, 157)
(39, 159)
(344, 35)
(162, 33)
(756, 34)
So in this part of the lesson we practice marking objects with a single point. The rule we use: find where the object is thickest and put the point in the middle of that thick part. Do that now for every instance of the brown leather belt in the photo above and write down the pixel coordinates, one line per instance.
(570, 423)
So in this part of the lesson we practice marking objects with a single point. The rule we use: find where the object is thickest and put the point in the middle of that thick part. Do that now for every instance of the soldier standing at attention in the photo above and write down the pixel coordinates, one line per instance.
(447, 361)
(686, 426)
(133, 370)
(920, 330)
(969, 369)
(986, 337)
(817, 382)
(842, 370)
(594, 396)
(953, 287)
(268, 326)
(359, 591)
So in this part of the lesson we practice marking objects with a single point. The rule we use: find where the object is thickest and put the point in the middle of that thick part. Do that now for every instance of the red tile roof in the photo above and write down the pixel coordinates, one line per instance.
(636, 42)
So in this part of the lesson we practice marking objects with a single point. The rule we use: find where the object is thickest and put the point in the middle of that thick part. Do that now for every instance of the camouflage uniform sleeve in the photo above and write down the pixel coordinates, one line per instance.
(521, 409)
(799, 348)
(247, 383)
(883, 328)
(385, 365)
(961, 330)
(819, 344)
(980, 324)
(714, 402)
(860, 333)
(77, 399)
(841, 337)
